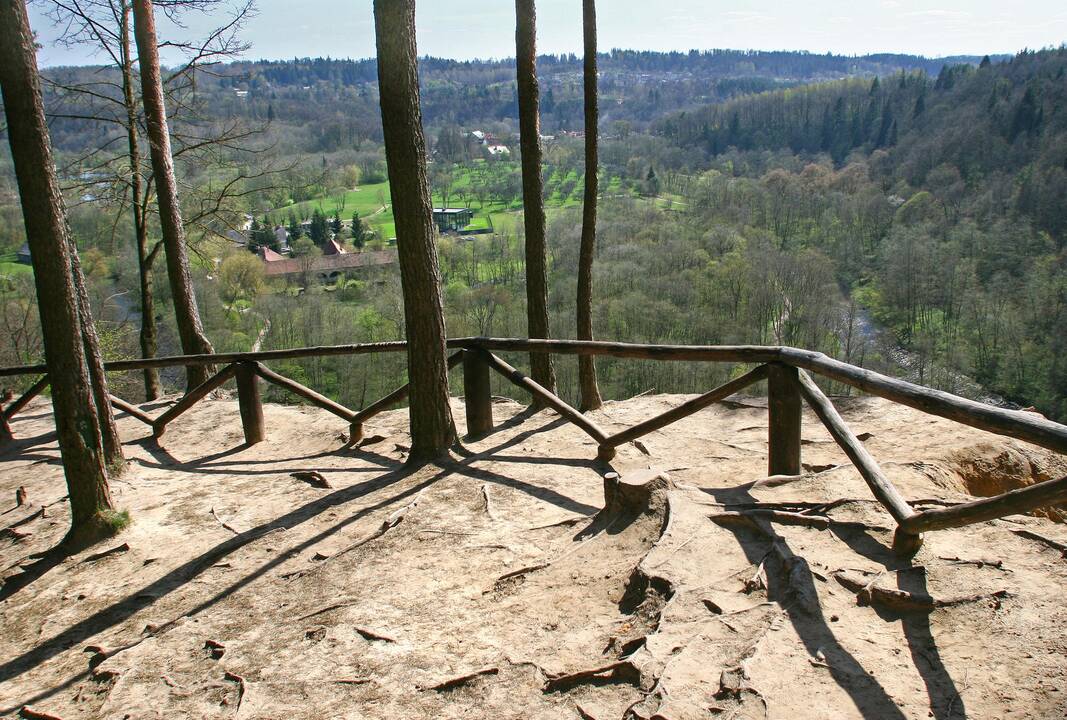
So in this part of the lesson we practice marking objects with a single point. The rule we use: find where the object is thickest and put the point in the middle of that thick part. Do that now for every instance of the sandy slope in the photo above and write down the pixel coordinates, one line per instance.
(356, 601)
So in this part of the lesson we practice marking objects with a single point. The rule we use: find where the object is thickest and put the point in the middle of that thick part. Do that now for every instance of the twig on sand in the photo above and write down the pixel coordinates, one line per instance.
(488, 502)
(453, 683)
(500, 581)
(224, 524)
(328, 608)
(371, 635)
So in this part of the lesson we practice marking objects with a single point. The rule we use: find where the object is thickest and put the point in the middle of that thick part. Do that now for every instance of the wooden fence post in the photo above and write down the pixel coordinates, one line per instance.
(249, 400)
(477, 399)
(783, 425)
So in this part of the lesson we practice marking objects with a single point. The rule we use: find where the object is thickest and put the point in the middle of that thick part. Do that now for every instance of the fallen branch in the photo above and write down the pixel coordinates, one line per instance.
(224, 524)
(453, 683)
(867, 593)
(622, 671)
(980, 562)
(328, 608)
(354, 681)
(500, 581)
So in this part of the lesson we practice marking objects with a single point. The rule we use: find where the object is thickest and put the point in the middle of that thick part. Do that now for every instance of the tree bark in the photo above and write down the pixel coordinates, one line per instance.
(190, 329)
(589, 392)
(148, 334)
(432, 426)
(533, 191)
(63, 325)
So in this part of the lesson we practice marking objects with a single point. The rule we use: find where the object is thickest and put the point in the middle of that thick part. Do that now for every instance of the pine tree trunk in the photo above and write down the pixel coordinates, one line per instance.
(114, 460)
(533, 191)
(148, 334)
(190, 330)
(587, 384)
(432, 427)
(62, 323)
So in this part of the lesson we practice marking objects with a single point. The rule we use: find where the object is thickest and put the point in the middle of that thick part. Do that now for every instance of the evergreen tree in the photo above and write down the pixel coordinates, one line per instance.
(318, 228)
(359, 232)
(335, 224)
(295, 228)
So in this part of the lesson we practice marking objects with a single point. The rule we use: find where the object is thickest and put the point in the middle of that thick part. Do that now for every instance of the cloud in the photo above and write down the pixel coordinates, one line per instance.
(946, 14)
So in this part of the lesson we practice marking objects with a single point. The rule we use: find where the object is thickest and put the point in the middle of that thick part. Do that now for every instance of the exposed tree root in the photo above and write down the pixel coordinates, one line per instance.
(562, 523)
(224, 524)
(453, 683)
(117, 550)
(622, 671)
(487, 502)
(868, 593)
(819, 522)
(1054, 544)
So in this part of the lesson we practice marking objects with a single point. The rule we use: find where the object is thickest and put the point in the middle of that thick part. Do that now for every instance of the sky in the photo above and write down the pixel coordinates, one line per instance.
(467, 29)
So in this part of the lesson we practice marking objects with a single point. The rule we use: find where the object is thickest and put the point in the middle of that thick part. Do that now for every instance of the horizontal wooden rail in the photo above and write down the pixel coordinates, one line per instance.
(1019, 500)
(687, 408)
(701, 353)
(221, 358)
(1013, 423)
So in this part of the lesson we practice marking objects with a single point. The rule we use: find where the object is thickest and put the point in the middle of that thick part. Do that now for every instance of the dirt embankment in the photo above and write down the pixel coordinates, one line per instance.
(518, 581)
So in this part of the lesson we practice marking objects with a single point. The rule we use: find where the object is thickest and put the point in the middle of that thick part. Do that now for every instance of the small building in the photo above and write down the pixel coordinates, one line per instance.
(269, 256)
(452, 219)
(23, 254)
(496, 150)
(281, 237)
(332, 247)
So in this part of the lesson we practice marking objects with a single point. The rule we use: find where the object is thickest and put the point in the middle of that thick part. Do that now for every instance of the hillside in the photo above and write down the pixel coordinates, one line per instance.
(502, 585)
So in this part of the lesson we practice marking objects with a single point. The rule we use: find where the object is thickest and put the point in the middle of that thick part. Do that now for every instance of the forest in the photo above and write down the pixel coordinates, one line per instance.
(896, 212)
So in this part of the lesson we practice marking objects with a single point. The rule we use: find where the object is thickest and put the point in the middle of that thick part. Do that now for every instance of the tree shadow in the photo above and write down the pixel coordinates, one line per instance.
(122, 610)
(945, 699)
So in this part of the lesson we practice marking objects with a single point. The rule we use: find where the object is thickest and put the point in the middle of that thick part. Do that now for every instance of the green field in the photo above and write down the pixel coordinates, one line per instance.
(562, 190)
(14, 268)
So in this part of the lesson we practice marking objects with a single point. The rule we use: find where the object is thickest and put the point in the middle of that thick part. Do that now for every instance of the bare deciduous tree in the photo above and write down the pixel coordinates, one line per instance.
(432, 427)
(190, 329)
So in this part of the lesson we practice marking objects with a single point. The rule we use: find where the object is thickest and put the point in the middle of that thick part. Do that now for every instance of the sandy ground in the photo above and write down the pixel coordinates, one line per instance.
(501, 586)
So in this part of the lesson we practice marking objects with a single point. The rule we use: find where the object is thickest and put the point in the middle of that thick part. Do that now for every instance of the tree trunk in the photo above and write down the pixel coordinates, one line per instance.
(432, 427)
(152, 388)
(62, 323)
(109, 434)
(190, 330)
(588, 391)
(533, 191)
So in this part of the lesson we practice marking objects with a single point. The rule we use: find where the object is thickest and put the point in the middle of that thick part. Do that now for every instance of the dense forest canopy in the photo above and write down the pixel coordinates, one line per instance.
(901, 213)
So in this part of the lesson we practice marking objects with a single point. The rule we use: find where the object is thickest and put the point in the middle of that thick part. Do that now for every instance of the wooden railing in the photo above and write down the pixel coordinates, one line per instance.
(785, 369)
